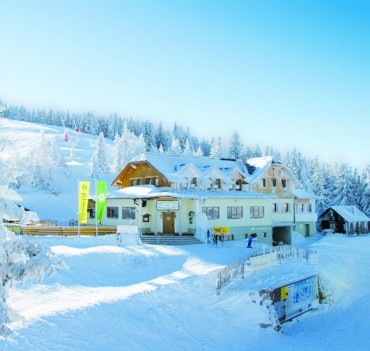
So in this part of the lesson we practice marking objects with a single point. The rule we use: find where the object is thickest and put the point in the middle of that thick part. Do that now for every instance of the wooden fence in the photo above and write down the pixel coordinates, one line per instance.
(65, 231)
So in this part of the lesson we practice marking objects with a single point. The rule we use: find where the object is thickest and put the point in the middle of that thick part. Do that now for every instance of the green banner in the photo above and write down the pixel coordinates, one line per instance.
(101, 194)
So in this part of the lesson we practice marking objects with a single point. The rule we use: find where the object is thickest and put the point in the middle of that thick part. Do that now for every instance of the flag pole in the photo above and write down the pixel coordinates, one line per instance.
(78, 207)
(96, 208)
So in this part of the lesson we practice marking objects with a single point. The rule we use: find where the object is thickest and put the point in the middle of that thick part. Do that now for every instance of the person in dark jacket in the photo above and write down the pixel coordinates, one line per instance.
(250, 238)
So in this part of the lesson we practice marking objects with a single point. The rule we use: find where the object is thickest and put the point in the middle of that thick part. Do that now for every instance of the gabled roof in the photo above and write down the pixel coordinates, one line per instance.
(350, 213)
(259, 165)
(172, 166)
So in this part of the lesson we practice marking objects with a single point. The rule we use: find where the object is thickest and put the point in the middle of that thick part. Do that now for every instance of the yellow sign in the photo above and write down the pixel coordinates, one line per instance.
(83, 200)
(284, 292)
(221, 230)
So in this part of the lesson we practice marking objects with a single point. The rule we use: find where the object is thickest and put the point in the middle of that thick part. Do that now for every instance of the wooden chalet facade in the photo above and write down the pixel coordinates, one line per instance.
(293, 205)
(175, 194)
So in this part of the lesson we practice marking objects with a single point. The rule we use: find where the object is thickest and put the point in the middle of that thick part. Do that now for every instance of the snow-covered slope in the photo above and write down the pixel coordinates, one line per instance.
(164, 298)
(18, 145)
(141, 298)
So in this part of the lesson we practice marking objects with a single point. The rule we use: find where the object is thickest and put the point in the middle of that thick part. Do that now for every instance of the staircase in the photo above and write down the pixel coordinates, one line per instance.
(169, 239)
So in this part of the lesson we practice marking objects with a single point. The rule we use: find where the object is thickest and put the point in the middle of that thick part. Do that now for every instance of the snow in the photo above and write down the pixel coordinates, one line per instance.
(149, 191)
(147, 297)
(351, 213)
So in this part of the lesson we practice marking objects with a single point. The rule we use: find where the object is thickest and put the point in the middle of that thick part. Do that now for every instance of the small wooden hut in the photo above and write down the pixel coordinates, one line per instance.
(344, 219)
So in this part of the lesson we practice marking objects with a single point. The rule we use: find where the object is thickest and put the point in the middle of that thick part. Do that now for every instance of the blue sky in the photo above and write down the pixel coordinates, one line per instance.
(282, 73)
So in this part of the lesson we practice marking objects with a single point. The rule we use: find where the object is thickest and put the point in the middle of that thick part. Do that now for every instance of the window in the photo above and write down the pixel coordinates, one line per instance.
(300, 208)
(216, 184)
(263, 235)
(91, 212)
(136, 181)
(234, 212)
(112, 212)
(211, 212)
(128, 212)
(283, 183)
(151, 180)
(148, 180)
(239, 184)
(275, 208)
(263, 183)
(273, 183)
(309, 208)
(257, 212)
(285, 207)
(193, 182)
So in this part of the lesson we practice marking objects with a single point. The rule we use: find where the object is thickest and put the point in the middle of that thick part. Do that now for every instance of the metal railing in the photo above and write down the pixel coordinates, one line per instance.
(229, 273)
(201, 235)
(283, 253)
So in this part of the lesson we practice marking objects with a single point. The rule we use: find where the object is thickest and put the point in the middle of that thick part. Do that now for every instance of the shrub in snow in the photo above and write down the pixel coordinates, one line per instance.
(20, 261)
(326, 291)
(264, 299)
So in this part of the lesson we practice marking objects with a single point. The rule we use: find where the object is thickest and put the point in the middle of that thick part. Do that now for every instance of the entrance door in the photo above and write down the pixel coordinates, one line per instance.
(168, 222)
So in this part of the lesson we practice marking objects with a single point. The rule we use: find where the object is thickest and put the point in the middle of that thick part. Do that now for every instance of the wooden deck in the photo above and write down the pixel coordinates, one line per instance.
(65, 231)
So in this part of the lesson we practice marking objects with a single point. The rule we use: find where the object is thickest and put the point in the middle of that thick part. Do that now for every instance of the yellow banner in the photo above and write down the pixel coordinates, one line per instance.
(83, 200)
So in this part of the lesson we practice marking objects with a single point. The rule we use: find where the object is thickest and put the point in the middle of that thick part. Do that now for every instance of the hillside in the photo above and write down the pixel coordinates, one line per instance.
(18, 140)
(146, 297)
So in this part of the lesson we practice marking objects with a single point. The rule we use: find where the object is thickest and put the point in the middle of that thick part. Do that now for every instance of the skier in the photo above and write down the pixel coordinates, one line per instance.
(250, 238)
(215, 239)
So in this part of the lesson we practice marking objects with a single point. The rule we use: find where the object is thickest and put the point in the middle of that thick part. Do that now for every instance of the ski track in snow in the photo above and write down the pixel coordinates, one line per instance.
(41, 301)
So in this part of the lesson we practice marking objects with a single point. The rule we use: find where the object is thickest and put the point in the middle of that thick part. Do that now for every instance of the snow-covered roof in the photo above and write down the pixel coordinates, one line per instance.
(171, 165)
(176, 168)
(351, 213)
(259, 165)
(303, 194)
(150, 191)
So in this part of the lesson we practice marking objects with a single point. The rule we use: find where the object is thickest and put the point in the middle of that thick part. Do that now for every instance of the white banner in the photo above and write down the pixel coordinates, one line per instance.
(263, 261)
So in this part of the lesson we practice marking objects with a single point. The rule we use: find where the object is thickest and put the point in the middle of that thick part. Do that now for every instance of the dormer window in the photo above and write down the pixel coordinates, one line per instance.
(273, 183)
(136, 181)
(151, 180)
(193, 183)
(238, 185)
(216, 183)
(283, 183)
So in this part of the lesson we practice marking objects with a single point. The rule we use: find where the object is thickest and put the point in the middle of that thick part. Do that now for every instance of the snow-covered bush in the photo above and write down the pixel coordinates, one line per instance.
(326, 291)
(20, 260)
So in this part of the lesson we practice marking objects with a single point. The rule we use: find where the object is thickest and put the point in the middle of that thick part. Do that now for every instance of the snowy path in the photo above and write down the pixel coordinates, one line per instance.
(40, 301)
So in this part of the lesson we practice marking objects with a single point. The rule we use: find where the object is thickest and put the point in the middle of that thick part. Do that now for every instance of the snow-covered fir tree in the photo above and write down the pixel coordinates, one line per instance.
(205, 146)
(43, 166)
(236, 146)
(148, 136)
(344, 194)
(175, 147)
(216, 148)
(198, 153)
(119, 151)
(99, 164)
(162, 139)
(187, 150)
